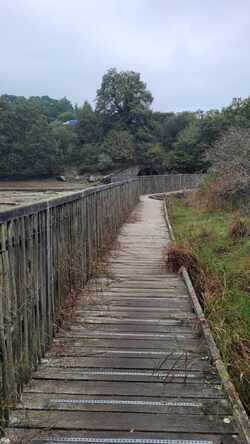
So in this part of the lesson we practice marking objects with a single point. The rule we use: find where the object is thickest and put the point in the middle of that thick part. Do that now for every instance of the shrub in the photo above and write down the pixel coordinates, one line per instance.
(230, 158)
(238, 230)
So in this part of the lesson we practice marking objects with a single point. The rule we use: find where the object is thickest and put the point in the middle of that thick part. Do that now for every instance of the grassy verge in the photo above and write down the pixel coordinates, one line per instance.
(225, 262)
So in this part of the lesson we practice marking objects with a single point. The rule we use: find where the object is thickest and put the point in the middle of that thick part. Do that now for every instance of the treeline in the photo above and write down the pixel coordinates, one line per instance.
(121, 130)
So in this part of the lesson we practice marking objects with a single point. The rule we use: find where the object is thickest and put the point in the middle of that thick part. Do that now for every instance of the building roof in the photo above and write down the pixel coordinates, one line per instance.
(71, 122)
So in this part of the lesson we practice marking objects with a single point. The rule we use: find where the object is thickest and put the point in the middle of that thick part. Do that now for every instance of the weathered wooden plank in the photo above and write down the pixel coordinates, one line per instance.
(139, 314)
(140, 375)
(188, 345)
(98, 291)
(119, 421)
(176, 336)
(129, 404)
(178, 327)
(163, 362)
(167, 304)
(140, 322)
(117, 437)
(126, 388)
(153, 353)
(145, 285)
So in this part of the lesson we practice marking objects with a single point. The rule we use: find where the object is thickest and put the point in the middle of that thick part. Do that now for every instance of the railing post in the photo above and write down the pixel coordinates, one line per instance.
(49, 277)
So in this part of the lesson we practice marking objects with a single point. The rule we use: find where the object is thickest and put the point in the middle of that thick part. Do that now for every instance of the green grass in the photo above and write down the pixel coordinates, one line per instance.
(227, 264)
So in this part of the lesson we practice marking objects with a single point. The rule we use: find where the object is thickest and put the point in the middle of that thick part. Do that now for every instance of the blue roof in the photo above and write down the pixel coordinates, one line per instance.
(71, 122)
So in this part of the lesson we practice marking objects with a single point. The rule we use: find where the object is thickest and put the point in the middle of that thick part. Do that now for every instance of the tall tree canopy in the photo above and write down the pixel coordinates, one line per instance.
(124, 95)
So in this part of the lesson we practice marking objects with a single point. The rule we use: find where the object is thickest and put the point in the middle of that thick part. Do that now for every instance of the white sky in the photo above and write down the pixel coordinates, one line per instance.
(193, 54)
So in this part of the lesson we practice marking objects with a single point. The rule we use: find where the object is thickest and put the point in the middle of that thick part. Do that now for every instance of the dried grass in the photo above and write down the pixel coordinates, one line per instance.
(178, 257)
(238, 230)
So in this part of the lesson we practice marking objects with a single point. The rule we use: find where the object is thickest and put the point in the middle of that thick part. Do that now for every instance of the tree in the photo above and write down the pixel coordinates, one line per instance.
(65, 138)
(87, 157)
(120, 131)
(90, 126)
(66, 115)
(172, 125)
(119, 145)
(154, 156)
(237, 114)
(8, 158)
(211, 124)
(104, 162)
(187, 155)
(52, 108)
(27, 145)
(123, 96)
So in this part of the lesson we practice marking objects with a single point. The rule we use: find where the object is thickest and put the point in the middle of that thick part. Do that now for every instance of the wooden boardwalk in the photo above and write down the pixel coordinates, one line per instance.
(133, 367)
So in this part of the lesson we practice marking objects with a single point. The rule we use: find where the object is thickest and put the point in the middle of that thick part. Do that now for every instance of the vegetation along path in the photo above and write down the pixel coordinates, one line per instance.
(133, 367)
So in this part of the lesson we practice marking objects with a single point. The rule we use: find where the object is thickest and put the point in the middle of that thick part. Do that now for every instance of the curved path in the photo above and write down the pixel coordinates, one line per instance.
(133, 367)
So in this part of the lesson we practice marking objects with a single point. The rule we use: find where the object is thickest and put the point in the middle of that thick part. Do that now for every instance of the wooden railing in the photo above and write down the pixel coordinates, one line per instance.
(47, 253)
(168, 182)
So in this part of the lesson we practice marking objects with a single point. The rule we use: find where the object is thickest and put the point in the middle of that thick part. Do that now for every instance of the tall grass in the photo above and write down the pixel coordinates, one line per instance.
(224, 257)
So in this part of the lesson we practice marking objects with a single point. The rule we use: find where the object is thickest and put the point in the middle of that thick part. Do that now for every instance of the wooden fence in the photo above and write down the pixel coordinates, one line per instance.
(48, 252)
(168, 182)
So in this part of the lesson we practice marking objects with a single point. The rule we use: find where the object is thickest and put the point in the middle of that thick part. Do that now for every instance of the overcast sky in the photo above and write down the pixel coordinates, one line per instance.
(193, 54)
